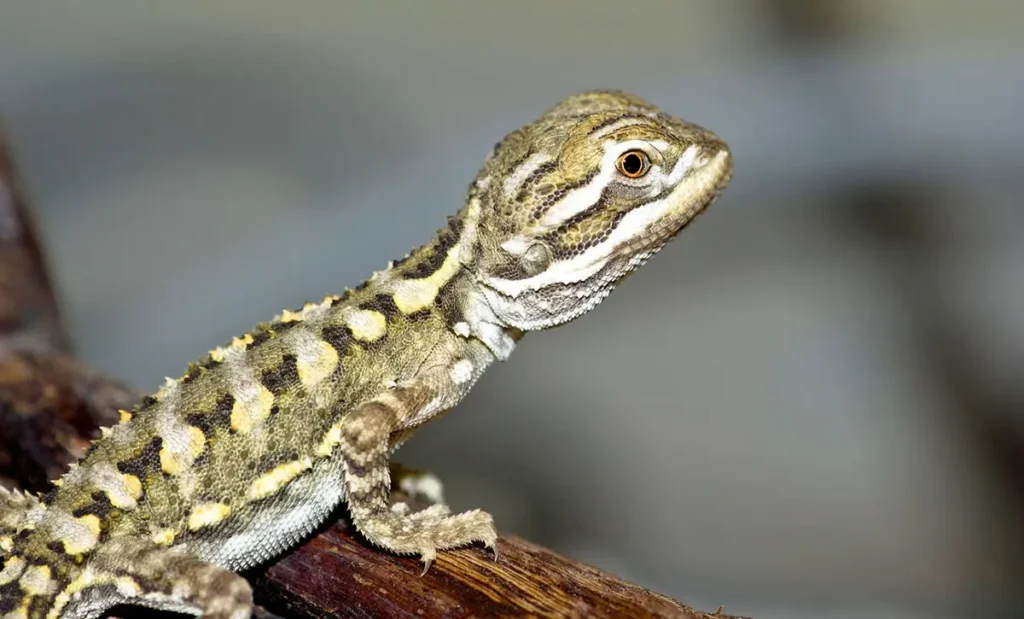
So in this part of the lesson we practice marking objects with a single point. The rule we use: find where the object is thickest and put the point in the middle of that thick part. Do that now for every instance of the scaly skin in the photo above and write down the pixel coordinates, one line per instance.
(236, 461)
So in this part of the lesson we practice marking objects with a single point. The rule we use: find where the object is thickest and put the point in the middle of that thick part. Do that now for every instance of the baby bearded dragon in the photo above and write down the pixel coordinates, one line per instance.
(240, 458)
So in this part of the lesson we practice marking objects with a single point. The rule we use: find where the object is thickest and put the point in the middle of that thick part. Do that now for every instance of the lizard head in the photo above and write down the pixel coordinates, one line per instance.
(575, 201)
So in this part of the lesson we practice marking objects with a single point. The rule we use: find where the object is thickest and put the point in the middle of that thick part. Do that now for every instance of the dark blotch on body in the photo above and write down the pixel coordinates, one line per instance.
(146, 402)
(278, 379)
(340, 337)
(219, 417)
(193, 373)
(420, 315)
(147, 460)
(100, 505)
(10, 597)
(383, 303)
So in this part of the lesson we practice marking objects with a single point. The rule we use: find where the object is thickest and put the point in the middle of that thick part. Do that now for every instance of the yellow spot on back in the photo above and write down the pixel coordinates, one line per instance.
(125, 416)
(208, 514)
(73, 547)
(197, 441)
(6, 543)
(164, 537)
(36, 580)
(245, 413)
(240, 420)
(86, 539)
(330, 441)
(172, 463)
(133, 485)
(168, 463)
(312, 371)
(416, 294)
(91, 522)
(115, 486)
(269, 483)
(367, 325)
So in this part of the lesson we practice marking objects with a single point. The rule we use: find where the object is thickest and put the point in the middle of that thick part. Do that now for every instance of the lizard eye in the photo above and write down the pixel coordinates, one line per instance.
(633, 163)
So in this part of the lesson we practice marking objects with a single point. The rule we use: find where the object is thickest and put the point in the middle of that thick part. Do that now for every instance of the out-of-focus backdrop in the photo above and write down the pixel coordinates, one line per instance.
(810, 405)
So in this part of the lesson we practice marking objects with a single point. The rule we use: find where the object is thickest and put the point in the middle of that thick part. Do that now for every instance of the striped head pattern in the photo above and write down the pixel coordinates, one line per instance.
(575, 201)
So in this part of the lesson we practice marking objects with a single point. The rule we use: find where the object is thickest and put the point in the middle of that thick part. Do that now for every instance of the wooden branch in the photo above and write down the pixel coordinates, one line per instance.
(51, 405)
(335, 575)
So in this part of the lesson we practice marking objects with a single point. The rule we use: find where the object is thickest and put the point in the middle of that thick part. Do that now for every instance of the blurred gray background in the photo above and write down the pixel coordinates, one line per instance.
(810, 405)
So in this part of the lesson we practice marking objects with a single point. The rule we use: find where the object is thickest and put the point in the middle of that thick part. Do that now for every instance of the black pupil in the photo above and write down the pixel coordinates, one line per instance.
(632, 164)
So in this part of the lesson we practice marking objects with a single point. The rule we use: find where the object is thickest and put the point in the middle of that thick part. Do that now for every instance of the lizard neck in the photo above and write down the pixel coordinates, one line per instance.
(440, 277)
(469, 314)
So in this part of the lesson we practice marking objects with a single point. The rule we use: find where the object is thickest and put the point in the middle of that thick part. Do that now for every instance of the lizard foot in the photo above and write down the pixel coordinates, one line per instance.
(427, 531)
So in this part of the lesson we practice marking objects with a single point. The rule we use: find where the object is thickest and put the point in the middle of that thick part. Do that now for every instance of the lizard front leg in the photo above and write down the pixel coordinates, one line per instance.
(366, 439)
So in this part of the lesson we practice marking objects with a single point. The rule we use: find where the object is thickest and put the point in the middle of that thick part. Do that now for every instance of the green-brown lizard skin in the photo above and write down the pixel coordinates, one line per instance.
(236, 461)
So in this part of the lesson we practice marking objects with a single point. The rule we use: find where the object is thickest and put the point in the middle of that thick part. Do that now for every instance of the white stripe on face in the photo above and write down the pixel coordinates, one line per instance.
(525, 169)
(684, 164)
(634, 224)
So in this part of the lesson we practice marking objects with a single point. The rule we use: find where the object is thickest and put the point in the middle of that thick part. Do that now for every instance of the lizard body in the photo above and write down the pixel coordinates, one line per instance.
(236, 461)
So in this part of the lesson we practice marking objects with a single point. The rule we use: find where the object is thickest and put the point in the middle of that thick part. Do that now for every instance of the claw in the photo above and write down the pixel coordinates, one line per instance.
(427, 557)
